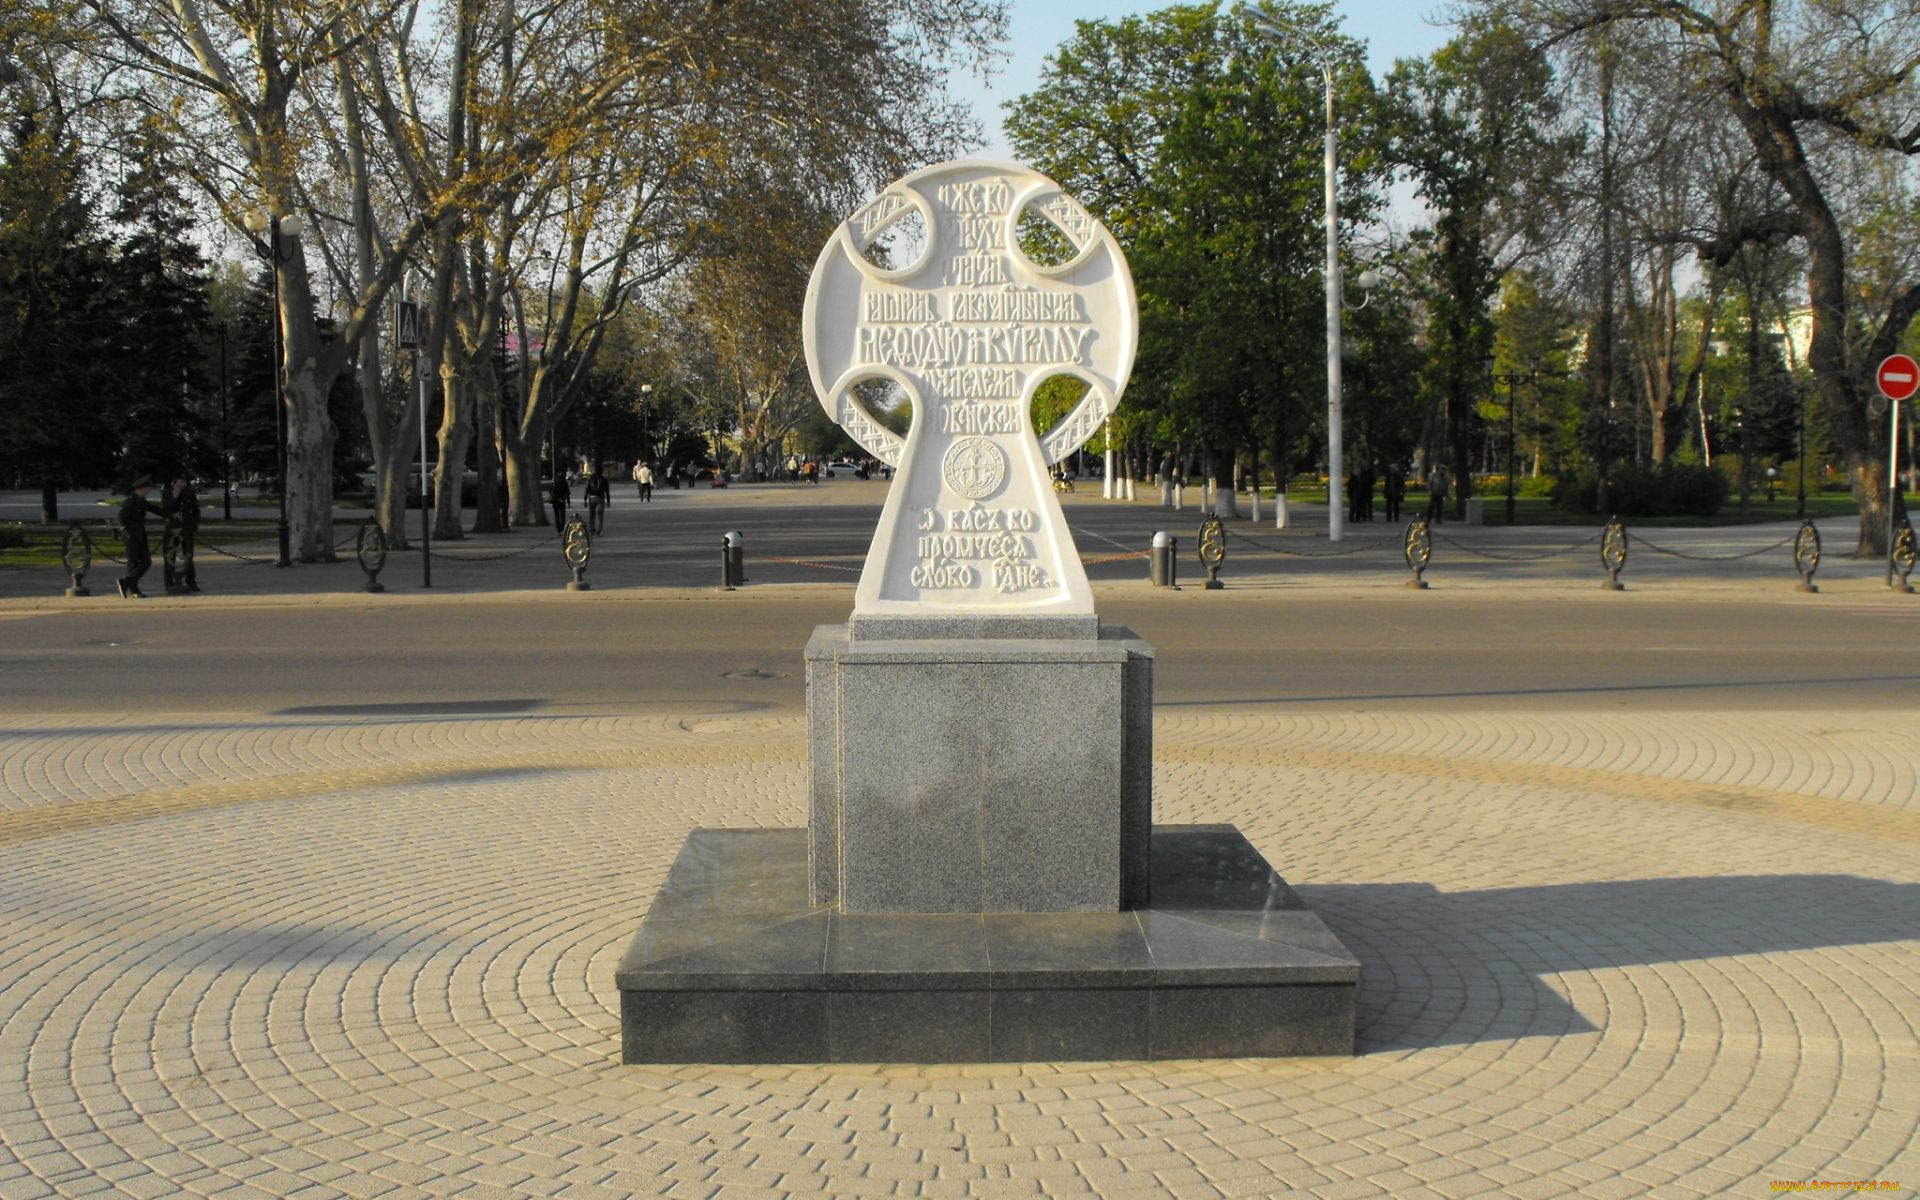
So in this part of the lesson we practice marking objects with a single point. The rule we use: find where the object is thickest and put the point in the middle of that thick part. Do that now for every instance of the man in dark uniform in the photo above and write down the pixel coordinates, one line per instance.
(598, 497)
(182, 507)
(133, 534)
(560, 496)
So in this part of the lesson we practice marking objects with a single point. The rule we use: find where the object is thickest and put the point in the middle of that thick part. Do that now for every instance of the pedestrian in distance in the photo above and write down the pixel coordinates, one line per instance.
(181, 506)
(644, 475)
(134, 511)
(560, 495)
(1437, 493)
(639, 488)
(1394, 490)
(599, 495)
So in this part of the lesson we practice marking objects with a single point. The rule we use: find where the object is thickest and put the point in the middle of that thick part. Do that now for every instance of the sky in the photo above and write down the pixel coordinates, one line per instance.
(1391, 28)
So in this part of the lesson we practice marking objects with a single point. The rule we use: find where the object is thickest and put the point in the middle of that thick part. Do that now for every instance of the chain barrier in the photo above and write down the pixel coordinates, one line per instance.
(552, 537)
(1658, 549)
(1114, 558)
(1519, 557)
(807, 562)
(1278, 549)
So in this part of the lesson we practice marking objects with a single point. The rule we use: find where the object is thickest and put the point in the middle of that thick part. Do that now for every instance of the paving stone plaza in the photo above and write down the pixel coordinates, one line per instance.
(1644, 950)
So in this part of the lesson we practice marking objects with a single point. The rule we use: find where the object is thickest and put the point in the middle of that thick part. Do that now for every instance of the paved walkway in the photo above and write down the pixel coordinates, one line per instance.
(1605, 955)
(819, 535)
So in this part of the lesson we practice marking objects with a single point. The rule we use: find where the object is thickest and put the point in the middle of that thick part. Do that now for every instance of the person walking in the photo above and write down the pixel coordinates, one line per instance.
(560, 495)
(1394, 489)
(182, 507)
(599, 495)
(644, 474)
(134, 511)
(1437, 493)
(639, 486)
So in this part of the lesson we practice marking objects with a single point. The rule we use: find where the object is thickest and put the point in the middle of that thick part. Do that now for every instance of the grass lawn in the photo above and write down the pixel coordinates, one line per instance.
(43, 542)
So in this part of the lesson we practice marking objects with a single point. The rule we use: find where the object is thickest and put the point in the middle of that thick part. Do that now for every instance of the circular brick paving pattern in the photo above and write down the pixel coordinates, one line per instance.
(1648, 954)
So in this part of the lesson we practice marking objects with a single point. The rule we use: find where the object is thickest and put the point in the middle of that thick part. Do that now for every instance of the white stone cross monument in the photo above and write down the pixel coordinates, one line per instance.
(973, 670)
(968, 331)
(981, 878)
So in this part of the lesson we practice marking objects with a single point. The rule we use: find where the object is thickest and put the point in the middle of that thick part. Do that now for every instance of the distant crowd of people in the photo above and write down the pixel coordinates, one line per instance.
(1393, 492)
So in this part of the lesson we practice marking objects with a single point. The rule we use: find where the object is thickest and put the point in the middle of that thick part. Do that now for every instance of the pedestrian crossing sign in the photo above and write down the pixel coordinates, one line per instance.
(407, 326)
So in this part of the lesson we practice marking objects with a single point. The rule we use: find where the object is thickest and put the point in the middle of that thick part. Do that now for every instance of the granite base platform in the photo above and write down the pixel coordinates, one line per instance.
(733, 965)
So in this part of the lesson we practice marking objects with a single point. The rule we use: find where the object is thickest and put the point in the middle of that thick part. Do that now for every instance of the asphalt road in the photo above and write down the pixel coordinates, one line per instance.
(694, 652)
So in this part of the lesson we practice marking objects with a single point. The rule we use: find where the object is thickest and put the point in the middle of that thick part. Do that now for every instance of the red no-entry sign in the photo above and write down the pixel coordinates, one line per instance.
(1898, 377)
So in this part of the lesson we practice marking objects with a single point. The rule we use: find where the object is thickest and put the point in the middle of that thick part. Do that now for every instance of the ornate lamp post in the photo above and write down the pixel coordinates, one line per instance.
(1512, 380)
(276, 227)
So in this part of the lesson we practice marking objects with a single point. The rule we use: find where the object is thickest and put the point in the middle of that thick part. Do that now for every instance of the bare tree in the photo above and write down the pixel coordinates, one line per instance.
(1822, 92)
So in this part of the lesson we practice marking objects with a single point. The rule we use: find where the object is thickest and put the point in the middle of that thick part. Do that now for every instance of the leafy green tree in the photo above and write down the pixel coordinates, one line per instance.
(57, 324)
(159, 286)
(1475, 127)
(1198, 142)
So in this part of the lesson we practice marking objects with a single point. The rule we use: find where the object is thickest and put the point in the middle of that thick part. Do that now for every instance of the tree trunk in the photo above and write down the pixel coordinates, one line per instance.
(455, 428)
(522, 455)
(309, 466)
(49, 501)
(486, 495)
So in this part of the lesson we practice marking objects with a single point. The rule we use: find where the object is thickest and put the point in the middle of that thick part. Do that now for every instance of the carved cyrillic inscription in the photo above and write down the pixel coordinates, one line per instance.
(899, 307)
(915, 346)
(879, 214)
(1024, 306)
(948, 543)
(967, 332)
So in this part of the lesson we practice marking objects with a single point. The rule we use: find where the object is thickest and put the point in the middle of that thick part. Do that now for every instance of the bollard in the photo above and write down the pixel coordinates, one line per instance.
(371, 549)
(76, 555)
(1806, 556)
(1613, 554)
(737, 556)
(1418, 551)
(726, 563)
(576, 545)
(1213, 550)
(1179, 494)
(1162, 566)
(1903, 558)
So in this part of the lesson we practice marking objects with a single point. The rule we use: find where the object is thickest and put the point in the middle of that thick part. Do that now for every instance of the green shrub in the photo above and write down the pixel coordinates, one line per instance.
(12, 534)
(1674, 490)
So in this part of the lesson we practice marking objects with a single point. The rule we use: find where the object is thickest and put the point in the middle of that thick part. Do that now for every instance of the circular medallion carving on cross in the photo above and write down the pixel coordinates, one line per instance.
(965, 327)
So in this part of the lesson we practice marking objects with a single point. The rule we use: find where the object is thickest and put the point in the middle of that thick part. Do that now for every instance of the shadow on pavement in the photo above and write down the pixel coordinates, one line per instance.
(1453, 968)
(408, 708)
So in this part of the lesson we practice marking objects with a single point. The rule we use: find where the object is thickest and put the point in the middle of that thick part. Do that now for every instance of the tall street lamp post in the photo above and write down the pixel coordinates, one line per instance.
(646, 401)
(1512, 380)
(1265, 23)
(275, 227)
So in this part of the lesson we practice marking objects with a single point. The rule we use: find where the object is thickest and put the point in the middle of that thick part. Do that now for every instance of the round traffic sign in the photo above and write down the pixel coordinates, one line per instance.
(1898, 377)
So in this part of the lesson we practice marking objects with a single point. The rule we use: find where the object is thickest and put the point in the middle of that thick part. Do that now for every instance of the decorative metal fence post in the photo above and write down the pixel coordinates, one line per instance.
(1613, 554)
(1806, 556)
(371, 549)
(1419, 551)
(173, 558)
(1213, 550)
(1903, 556)
(76, 555)
(577, 546)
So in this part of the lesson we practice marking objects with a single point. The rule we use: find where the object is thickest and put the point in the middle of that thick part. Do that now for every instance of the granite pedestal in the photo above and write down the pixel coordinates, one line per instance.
(735, 964)
(980, 879)
(973, 773)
